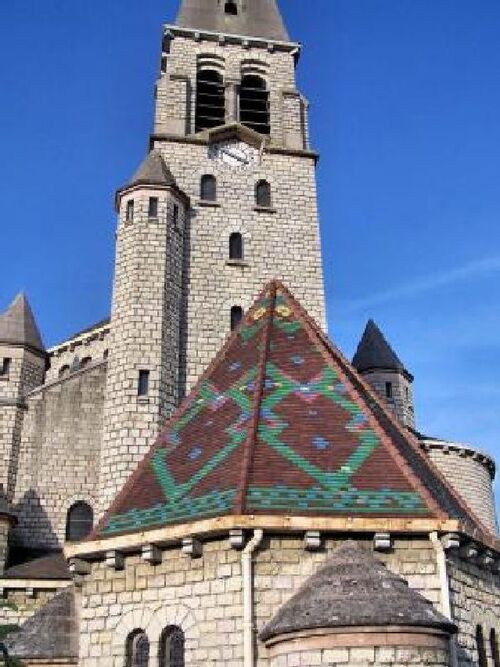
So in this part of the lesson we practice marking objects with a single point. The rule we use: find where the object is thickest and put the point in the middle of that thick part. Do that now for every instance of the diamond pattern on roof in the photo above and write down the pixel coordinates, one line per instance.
(279, 423)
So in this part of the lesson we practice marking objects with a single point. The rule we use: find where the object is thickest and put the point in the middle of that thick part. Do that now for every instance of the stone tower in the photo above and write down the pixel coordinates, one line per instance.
(22, 369)
(225, 202)
(377, 362)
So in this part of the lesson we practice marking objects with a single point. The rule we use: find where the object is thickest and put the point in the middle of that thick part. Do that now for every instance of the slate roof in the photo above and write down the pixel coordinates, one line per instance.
(153, 171)
(257, 18)
(280, 423)
(354, 589)
(18, 325)
(24, 564)
(5, 508)
(51, 633)
(375, 353)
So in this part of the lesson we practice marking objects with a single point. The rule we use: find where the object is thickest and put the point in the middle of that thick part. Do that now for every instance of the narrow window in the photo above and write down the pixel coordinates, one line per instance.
(495, 651)
(5, 367)
(64, 370)
(236, 246)
(210, 100)
(481, 647)
(236, 316)
(129, 216)
(86, 361)
(254, 104)
(143, 384)
(263, 194)
(172, 647)
(137, 649)
(388, 389)
(208, 188)
(79, 521)
(105, 354)
(175, 216)
(231, 8)
(153, 207)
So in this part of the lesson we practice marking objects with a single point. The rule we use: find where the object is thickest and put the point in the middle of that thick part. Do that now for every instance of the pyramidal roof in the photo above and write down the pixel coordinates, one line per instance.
(257, 18)
(18, 325)
(374, 352)
(153, 171)
(280, 423)
(354, 589)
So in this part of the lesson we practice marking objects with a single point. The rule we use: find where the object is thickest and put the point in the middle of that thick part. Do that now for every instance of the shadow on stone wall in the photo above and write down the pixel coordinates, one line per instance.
(34, 529)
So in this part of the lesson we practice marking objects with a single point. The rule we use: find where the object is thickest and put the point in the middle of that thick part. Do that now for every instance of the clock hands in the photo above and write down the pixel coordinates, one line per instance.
(235, 156)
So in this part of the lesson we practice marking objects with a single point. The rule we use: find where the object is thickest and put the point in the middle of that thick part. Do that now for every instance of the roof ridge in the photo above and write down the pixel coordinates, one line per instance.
(259, 391)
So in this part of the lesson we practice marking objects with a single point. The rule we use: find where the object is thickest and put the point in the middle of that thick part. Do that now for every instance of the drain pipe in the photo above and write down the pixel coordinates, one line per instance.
(445, 589)
(247, 576)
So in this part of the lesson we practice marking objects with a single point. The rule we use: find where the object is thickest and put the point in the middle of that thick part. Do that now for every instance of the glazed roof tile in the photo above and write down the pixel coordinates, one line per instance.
(354, 589)
(280, 423)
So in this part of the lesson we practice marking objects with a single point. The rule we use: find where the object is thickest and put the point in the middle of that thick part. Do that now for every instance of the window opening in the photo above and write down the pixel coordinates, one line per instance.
(129, 216)
(5, 366)
(210, 100)
(236, 246)
(263, 194)
(64, 370)
(481, 647)
(231, 8)
(172, 647)
(254, 104)
(495, 650)
(153, 207)
(208, 188)
(236, 316)
(388, 389)
(137, 649)
(175, 215)
(86, 361)
(143, 384)
(79, 521)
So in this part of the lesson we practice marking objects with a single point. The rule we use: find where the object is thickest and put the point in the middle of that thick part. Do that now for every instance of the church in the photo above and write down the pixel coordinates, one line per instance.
(204, 479)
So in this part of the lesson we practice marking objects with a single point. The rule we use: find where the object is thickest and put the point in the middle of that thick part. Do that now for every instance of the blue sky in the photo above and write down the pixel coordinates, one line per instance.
(405, 99)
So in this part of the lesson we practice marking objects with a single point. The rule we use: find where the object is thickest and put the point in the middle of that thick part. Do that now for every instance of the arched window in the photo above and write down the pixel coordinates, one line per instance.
(231, 8)
(208, 188)
(263, 194)
(137, 649)
(481, 648)
(64, 370)
(86, 361)
(495, 650)
(236, 316)
(236, 246)
(254, 103)
(79, 521)
(210, 99)
(172, 647)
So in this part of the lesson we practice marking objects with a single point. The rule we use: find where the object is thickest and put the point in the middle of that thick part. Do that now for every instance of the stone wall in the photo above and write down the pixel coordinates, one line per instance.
(89, 347)
(475, 600)
(25, 606)
(386, 656)
(59, 455)
(401, 402)
(204, 597)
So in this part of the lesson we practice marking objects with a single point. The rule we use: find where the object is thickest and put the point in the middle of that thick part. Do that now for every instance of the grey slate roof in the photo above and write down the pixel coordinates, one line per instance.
(52, 632)
(354, 589)
(18, 325)
(48, 566)
(374, 352)
(153, 171)
(255, 18)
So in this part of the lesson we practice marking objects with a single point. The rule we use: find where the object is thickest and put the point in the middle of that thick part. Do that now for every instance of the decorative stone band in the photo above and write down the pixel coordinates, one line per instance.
(98, 332)
(461, 450)
(368, 636)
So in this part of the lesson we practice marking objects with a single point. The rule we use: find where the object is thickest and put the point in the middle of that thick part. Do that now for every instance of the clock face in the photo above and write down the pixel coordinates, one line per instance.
(233, 154)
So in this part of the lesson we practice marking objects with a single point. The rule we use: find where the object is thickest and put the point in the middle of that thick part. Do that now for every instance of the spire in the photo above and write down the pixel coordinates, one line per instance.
(153, 171)
(374, 352)
(18, 325)
(257, 18)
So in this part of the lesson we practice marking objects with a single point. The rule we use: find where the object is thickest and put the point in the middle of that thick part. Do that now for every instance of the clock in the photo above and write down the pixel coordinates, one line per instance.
(233, 154)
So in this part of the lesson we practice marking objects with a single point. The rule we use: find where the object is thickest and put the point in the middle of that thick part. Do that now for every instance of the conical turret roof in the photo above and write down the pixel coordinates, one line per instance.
(153, 171)
(280, 423)
(257, 18)
(375, 353)
(18, 325)
(354, 589)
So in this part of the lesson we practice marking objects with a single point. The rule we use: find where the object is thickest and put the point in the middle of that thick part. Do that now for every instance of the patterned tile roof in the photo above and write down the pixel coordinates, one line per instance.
(280, 423)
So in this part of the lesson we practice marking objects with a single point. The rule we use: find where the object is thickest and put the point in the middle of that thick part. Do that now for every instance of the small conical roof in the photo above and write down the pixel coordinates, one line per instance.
(354, 589)
(374, 352)
(18, 325)
(5, 508)
(153, 171)
(258, 18)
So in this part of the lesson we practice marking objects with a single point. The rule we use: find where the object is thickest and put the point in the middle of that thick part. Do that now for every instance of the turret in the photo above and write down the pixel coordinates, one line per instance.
(22, 369)
(377, 362)
(143, 382)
